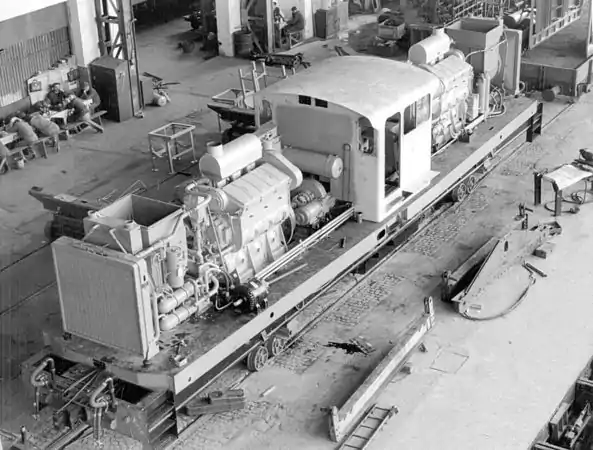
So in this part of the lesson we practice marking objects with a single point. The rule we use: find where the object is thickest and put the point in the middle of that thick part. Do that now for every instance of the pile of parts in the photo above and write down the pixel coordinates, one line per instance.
(570, 428)
(462, 287)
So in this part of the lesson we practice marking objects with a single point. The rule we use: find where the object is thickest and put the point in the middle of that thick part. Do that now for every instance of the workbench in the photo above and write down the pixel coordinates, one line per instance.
(561, 178)
(9, 138)
(60, 117)
(176, 140)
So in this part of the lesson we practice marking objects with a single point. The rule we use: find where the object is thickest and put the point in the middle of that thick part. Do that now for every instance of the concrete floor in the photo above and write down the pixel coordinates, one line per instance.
(487, 385)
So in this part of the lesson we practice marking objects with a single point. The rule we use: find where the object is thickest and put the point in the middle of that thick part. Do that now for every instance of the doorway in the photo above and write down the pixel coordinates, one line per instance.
(392, 153)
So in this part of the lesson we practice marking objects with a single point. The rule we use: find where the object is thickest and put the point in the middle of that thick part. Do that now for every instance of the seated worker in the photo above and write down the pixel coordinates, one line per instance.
(80, 112)
(4, 154)
(56, 97)
(45, 126)
(89, 94)
(42, 107)
(296, 23)
(24, 130)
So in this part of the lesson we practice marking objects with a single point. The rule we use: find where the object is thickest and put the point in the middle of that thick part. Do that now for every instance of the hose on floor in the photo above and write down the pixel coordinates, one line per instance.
(508, 310)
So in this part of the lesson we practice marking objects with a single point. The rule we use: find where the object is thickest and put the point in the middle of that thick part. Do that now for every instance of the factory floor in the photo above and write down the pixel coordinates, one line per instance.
(486, 385)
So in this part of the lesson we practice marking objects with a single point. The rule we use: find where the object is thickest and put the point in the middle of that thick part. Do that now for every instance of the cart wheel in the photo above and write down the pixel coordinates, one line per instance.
(276, 345)
(471, 183)
(29, 154)
(459, 193)
(257, 358)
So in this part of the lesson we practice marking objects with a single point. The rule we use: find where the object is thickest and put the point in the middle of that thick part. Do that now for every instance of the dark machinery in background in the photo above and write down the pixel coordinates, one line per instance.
(202, 19)
(518, 16)
(156, 11)
(571, 427)
(68, 213)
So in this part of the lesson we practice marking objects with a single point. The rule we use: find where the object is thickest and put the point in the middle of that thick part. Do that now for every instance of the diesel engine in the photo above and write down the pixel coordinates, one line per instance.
(145, 267)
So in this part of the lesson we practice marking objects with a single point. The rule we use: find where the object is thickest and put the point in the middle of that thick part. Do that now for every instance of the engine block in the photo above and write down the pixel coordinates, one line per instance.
(247, 220)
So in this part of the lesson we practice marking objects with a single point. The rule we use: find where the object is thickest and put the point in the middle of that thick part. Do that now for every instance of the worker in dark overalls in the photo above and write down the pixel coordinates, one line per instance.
(81, 112)
(89, 94)
(56, 97)
(296, 24)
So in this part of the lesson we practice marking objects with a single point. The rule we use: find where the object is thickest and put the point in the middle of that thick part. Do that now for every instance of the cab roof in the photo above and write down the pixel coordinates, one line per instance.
(372, 87)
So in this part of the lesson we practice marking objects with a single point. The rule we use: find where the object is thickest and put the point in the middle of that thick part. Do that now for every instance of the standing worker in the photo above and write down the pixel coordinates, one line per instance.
(278, 15)
(80, 112)
(279, 22)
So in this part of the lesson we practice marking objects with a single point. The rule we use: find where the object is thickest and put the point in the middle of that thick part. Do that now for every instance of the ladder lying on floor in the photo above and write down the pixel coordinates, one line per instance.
(368, 427)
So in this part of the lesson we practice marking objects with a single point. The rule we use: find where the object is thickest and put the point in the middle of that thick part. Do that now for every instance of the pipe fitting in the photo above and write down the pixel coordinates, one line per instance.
(216, 284)
(100, 403)
(38, 380)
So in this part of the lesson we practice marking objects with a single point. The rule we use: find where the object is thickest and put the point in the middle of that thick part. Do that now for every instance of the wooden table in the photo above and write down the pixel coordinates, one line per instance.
(9, 138)
(561, 179)
(59, 116)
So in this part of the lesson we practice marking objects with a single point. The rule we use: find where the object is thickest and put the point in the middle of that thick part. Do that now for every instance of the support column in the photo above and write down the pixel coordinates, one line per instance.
(228, 20)
(306, 7)
(83, 31)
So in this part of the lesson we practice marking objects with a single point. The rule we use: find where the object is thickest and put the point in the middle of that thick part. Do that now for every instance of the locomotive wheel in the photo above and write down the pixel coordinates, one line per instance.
(276, 345)
(459, 193)
(471, 183)
(257, 358)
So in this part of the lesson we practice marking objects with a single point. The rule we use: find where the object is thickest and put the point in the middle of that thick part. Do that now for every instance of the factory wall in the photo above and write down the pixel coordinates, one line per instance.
(30, 43)
(35, 35)
(15, 8)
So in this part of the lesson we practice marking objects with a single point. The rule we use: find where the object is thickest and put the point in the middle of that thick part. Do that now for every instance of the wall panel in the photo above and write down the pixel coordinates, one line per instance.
(22, 60)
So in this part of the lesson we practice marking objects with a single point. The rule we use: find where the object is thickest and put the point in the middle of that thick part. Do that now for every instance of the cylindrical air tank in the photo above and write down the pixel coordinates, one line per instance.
(176, 265)
(221, 161)
(483, 91)
(431, 49)
(323, 165)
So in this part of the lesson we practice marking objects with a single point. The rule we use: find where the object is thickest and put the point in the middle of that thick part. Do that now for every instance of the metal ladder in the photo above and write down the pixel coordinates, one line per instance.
(368, 427)
(255, 74)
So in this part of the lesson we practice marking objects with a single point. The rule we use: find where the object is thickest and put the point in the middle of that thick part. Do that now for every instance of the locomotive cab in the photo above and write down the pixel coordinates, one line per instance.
(379, 131)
